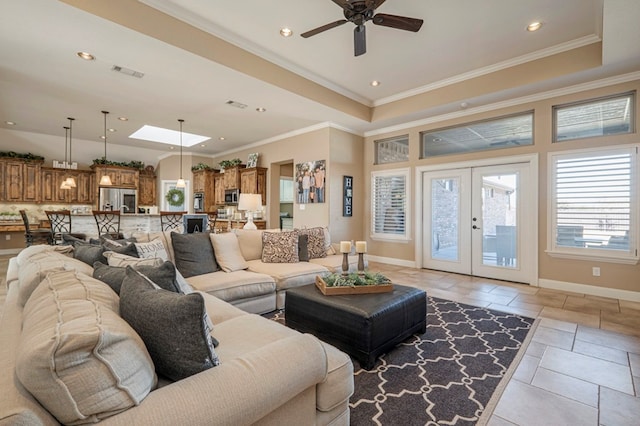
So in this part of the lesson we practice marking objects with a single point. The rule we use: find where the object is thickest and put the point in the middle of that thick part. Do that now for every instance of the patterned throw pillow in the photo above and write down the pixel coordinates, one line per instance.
(152, 249)
(315, 242)
(174, 327)
(280, 247)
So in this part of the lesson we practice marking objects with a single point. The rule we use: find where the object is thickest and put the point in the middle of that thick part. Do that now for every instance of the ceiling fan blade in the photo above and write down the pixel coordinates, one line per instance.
(323, 28)
(360, 40)
(398, 22)
(345, 4)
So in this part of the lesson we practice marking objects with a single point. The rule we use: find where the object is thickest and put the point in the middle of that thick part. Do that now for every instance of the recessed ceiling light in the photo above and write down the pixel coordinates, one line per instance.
(534, 26)
(10, 123)
(203, 145)
(123, 119)
(86, 56)
(260, 109)
(221, 138)
(172, 147)
(286, 32)
(168, 136)
(375, 83)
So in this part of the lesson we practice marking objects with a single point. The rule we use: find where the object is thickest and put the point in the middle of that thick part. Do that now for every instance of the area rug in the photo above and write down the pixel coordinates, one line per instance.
(450, 375)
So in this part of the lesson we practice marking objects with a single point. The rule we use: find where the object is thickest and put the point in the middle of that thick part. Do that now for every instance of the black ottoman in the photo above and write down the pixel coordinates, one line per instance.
(363, 325)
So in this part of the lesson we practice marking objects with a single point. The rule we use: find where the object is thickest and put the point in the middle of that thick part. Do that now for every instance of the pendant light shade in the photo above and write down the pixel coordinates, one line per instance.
(64, 184)
(105, 180)
(181, 183)
(70, 180)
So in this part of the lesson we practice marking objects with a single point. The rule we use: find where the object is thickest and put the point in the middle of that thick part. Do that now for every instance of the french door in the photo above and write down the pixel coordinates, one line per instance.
(476, 221)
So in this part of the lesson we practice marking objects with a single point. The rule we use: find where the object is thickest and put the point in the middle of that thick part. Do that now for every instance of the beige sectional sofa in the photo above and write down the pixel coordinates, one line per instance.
(94, 367)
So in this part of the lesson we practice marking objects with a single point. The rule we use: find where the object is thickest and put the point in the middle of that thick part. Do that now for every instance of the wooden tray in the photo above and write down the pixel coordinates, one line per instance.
(361, 289)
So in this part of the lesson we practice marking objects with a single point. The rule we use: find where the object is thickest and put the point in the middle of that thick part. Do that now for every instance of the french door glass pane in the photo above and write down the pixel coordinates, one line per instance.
(499, 243)
(445, 217)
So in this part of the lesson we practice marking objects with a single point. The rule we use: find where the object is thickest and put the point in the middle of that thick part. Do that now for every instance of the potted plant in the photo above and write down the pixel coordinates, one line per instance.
(224, 164)
(201, 166)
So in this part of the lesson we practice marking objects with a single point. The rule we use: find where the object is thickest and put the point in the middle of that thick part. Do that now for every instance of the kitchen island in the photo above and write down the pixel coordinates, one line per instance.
(129, 223)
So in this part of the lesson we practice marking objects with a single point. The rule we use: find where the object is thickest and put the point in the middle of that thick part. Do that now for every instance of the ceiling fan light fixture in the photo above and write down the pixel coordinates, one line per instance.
(534, 26)
(286, 32)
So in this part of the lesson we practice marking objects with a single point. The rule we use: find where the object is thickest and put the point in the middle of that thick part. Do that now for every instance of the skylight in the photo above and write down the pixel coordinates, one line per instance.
(170, 137)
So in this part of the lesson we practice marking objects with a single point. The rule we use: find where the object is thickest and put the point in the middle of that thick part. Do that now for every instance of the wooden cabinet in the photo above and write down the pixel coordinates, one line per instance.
(204, 183)
(218, 188)
(50, 192)
(232, 177)
(121, 177)
(254, 181)
(20, 181)
(85, 192)
(147, 189)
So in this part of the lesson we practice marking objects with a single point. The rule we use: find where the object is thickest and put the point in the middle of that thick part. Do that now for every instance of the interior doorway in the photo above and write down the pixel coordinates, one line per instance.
(287, 195)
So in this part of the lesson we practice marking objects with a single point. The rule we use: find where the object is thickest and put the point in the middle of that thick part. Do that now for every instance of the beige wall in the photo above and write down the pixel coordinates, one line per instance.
(613, 275)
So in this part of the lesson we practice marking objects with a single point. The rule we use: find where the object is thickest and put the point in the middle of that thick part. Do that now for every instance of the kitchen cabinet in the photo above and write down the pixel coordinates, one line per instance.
(147, 189)
(204, 183)
(121, 177)
(20, 181)
(254, 181)
(218, 189)
(232, 177)
(51, 178)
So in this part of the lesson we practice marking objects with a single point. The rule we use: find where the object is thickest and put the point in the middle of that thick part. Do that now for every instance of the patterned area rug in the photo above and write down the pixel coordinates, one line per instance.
(448, 375)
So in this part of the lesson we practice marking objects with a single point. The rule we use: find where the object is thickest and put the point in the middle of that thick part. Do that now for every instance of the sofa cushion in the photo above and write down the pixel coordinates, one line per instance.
(164, 275)
(227, 252)
(76, 355)
(122, 260)
(280, 247)
(31, 275)
(154, 248)
(234, 286)
(316, 242)
(193, 253)
(26, 253)
(289, 275)
(251, 242)
(175, 327)
(334, 262)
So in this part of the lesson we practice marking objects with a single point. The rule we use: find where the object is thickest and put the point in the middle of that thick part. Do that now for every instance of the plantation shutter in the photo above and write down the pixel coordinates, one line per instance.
(389, 204)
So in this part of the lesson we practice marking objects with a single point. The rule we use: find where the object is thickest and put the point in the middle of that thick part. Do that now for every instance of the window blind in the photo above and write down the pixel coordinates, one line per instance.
(389, 204)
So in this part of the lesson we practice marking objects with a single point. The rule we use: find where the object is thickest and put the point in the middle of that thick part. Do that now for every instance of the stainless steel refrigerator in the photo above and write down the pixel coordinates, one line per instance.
(125, 200)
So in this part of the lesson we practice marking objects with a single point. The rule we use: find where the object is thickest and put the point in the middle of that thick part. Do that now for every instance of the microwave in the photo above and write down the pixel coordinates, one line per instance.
(231, 196)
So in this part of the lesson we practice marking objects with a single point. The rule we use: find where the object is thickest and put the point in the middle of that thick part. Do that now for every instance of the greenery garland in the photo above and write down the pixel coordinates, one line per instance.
(175, 197)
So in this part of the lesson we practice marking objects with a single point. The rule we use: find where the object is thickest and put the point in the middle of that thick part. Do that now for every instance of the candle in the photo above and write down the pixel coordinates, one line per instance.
(361, 246)
(345, 246)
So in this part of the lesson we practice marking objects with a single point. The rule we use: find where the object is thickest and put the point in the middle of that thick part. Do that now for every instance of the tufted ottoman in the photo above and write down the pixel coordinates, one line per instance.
(362, 325)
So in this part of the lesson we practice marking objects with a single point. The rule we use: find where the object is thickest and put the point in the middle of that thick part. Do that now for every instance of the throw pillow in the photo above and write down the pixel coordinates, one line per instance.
(88, 253)
(117, 259)
(316, 243)
(227, 252)
(68, 239)
(174, 327)
(303, 250)
(151, 249)
(193, 253)
(164, 275)
(280, 247)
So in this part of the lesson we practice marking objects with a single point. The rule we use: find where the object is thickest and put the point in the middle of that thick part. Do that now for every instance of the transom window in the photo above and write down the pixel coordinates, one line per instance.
(392, 150)
(504, 132)
(390, 191)
(596, 117)
(593, 197)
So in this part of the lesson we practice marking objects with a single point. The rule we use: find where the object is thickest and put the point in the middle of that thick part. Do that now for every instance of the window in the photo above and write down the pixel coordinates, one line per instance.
(592, 209)
(392, 150)
(600, 117)
(504, 132)
(390, 191)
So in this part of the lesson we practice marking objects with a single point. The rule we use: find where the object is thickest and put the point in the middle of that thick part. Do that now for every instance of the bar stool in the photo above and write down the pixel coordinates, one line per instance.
(213, 217)
(61, 225)
(171, 220)
(108, 223)
(35, 236)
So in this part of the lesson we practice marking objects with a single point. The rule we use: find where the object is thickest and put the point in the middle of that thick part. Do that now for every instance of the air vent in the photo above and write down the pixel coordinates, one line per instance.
(127, 71)
(236, 104)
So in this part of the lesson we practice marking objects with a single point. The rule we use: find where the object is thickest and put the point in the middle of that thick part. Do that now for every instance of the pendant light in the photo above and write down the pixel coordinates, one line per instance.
(181, 183)
(70, 180)
(105, 180)
(64, 184)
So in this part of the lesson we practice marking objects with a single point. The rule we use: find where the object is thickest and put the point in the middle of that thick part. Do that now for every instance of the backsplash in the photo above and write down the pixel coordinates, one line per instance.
(36, 212)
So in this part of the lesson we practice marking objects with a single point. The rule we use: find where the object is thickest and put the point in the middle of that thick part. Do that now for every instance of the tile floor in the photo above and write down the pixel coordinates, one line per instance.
(582, 366)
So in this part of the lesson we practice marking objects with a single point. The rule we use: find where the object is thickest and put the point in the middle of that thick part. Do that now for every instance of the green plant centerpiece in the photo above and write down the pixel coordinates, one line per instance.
(201, 166)
(134, 164)
(355, 280)
(224, 164)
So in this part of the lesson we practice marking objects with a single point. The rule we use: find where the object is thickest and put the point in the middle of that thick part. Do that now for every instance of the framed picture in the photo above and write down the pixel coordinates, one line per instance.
(253, 160)
(309, 182)
(347, 196)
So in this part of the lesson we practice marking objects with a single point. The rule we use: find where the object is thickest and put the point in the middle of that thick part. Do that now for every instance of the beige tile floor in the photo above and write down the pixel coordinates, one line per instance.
(582, 366)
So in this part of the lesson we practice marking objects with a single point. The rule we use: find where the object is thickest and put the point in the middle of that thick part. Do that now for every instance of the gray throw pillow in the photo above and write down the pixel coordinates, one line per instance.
(164, 275)
(174, 327)
(303, 251)
(193, 254)
(88, 253)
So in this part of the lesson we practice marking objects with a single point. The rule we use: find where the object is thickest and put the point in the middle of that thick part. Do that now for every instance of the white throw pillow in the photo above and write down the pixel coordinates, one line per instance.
(122, 260)
(227, 252)
(152, 249)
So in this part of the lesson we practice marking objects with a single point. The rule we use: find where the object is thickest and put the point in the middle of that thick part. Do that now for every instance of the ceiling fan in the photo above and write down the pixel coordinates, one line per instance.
(361, 11)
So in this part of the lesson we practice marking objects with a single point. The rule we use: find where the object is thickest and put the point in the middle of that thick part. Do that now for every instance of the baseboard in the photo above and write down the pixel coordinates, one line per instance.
(632, 296)
(10, 251)
(392, 261)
